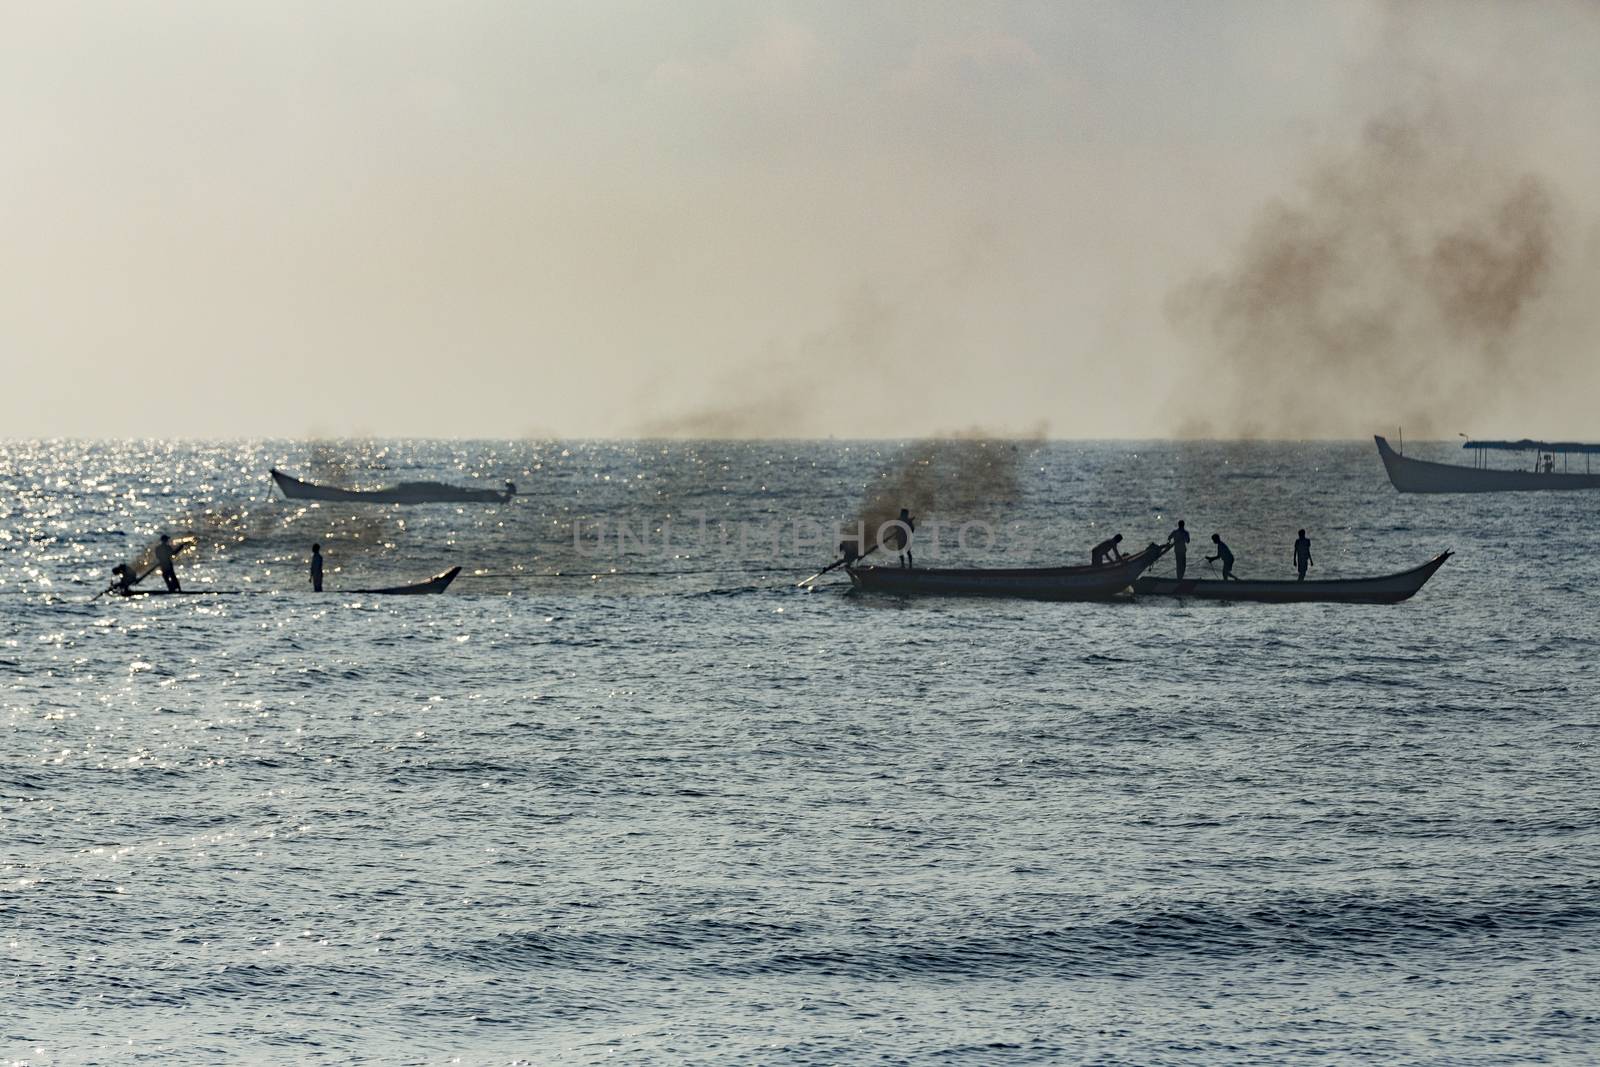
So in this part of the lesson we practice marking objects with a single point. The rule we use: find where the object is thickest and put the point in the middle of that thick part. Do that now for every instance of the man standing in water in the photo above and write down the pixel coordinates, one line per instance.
(1224, 555)
(1302, 554)
(1179, 540)
(316, 568)
(164, 554)
(1106, 551)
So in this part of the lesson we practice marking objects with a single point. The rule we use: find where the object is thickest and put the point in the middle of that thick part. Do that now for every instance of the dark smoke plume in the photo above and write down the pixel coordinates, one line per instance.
(1394, 287)
(973, 475)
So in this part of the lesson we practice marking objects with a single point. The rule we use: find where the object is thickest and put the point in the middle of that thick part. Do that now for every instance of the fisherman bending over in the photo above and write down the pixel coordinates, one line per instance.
(123, 583)
(316, 568)
(1106, 551)
(1179, 540)
(849, 551)
(1224, 555)
(1302, 554)
(164, 554)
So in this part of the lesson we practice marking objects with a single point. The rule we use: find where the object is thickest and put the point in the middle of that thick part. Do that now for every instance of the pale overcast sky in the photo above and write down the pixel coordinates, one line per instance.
(860, 218)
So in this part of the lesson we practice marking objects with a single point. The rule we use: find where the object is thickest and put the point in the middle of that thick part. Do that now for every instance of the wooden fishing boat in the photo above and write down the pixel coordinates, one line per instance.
(1033, 583)
(437, 584)
(404, 493)
(140, 593)
(1423, 476)
(1390, 589)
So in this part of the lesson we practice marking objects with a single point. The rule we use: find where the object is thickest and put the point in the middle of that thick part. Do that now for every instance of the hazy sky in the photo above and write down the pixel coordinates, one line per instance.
(861, 218)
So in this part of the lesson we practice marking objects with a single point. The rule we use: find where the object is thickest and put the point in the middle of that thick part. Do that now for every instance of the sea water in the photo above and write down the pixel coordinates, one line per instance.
(655, 804)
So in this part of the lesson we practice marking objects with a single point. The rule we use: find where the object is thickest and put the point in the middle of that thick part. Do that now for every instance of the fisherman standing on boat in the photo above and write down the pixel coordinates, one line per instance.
(1302, 554)
(164, 554)
(904, 527)
(1179, 540)
(1224, 555)
(316, 568)
(1106, 551)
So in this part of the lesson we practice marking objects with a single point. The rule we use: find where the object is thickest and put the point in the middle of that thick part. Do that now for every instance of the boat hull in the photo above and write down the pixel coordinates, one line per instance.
(1390, 589)
(1422, 476)
(404, 493)
(140, 593)
(1038, 583)
(437, 584)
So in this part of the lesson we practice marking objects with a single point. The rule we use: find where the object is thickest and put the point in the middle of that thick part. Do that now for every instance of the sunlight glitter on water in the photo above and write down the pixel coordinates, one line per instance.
(686, 803)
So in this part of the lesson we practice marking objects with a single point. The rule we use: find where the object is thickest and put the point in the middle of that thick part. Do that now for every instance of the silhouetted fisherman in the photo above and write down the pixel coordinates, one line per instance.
(1106, 551)
(316, 568)
(1302, 554)
(164, 554)
(901, 534)
(123, 584)
(1179, 540)
(1224, 555)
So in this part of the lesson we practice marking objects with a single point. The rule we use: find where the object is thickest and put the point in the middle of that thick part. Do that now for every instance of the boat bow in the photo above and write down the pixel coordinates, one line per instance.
(1388, 589)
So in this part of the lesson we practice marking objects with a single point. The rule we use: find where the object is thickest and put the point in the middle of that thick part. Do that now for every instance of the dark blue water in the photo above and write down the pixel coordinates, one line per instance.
(659, 806)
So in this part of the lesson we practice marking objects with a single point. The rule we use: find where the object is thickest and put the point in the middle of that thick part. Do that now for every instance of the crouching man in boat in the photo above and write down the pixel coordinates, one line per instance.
(316, 568)
(1106, 551)
(1302, 554)
(122, 583)
(1224, 555)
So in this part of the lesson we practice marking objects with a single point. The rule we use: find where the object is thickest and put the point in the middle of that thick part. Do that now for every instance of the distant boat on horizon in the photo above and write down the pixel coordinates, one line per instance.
(404, 493)
(1424, 476)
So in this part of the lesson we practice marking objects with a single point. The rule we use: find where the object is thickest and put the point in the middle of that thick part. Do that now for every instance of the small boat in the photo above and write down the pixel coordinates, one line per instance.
(437, 584)
(404, 493)
(1034, 583)
(1423, 476)
(1390, 589)
(136, 593)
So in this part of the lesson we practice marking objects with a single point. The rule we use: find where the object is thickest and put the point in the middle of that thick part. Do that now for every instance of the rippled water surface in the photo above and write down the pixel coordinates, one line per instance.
(660, 806)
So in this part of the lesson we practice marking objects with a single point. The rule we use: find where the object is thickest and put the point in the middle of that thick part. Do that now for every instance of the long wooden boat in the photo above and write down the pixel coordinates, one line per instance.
(437, 584)
(1423, 476)
(136, 594)
(1033, 583)
(404, 493)
(1390, 589)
